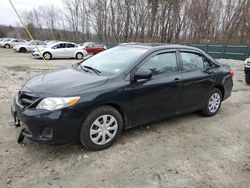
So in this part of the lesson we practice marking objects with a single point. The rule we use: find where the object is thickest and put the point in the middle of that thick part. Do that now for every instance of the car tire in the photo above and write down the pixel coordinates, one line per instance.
(247, 77)
(22, 50)
(97, 135)
(47, 55)
(79, 55)
(212, 103)
(7, 46)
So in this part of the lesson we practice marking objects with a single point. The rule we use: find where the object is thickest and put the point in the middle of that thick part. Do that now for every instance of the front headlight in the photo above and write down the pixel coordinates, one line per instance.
(54, 103)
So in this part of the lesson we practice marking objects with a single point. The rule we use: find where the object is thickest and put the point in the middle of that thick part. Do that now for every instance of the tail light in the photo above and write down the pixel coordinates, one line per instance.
(231, 73)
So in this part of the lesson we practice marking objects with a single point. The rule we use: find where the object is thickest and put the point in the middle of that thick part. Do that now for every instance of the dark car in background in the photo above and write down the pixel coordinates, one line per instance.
(120, 88)
(247, 70)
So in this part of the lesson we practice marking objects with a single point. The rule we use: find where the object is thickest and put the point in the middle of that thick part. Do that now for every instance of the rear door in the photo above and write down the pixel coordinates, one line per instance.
(70, 50)
(157, 97)
(198, 80)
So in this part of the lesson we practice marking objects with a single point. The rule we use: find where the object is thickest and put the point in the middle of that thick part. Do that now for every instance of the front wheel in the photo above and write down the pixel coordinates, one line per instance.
(101, 128)
(247, 77)
(22, 50)
(212, 103)
(47, 56)
(6, 46)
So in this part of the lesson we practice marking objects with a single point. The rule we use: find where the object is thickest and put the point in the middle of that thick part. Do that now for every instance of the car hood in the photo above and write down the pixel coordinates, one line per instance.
(63, 82)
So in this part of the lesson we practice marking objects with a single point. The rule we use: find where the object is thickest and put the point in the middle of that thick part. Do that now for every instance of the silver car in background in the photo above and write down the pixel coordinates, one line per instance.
(60, 50)
(4, 40)
(29, 47)
(13, 42)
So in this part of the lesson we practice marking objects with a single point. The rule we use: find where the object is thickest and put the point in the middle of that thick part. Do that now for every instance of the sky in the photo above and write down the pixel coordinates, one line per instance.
(8, 15)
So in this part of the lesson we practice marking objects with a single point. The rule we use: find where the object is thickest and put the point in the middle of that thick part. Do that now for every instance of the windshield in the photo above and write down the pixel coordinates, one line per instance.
(32, 42)
(114, 60)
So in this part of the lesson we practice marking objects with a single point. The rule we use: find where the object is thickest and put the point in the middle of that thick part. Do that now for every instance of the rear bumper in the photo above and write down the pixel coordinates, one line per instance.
(228, 87)
(49, 127)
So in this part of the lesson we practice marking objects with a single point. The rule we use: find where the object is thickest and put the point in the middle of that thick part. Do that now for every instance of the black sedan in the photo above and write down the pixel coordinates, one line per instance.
(123, 87)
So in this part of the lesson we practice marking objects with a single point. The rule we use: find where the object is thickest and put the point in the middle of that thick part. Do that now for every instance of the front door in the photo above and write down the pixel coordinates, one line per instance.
(157, 97)
(58, 51)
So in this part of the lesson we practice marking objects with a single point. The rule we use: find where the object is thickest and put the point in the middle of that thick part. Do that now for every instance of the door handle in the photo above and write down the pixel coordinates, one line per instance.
(177, 80)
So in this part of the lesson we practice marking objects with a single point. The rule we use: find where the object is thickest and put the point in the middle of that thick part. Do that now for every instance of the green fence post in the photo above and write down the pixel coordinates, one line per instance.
(248, 51)
(223, 51)
(206, 48)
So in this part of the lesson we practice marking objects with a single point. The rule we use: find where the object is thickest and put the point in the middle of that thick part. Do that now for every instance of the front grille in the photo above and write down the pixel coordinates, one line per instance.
(26, 99)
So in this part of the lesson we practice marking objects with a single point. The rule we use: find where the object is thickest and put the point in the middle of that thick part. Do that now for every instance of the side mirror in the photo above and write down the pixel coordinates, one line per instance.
(143, 74)
(208, 70)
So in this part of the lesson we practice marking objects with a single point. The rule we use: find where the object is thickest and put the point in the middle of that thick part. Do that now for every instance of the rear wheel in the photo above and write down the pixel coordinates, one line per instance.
(101, 128)
(212, 103)
(47, 55)
(247, 77)
(6, 46)
(79, 55)
(22, 50)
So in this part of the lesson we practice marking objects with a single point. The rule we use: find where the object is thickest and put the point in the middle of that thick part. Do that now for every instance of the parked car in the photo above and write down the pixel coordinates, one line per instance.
(3, 41)
(12, 42)
(93, 48)
(60, 50)
(28, 47)
(247, 70)
(120, 88)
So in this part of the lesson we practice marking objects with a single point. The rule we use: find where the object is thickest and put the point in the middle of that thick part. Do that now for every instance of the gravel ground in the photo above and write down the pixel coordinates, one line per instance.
(186, 151)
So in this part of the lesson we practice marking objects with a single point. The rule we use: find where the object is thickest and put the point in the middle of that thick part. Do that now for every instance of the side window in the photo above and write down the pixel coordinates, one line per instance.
(56, 46)
(193, 61)
(62, 45)
(161, 63)
(69, 45)
(41, 43)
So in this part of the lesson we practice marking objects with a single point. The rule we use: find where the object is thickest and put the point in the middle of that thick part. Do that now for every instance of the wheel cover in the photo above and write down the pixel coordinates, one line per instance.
(79, 56)
(103, 129)
(47, 56)
(214, 102)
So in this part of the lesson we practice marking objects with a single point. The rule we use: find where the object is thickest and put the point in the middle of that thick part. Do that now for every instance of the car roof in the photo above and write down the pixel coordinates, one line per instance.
(55, 43)
(159, 46)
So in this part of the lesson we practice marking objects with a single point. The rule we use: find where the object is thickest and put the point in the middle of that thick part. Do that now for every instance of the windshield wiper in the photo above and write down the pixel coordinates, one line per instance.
(84, 69)
(93, 69)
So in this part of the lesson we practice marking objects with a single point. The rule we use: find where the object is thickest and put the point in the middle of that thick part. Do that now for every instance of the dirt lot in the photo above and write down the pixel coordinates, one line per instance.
(187, 151)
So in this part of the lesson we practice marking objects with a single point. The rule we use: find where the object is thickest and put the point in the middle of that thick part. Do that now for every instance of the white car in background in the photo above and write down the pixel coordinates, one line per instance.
(29, 47)
(4, 40)
(12, 42)
(60, 50)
